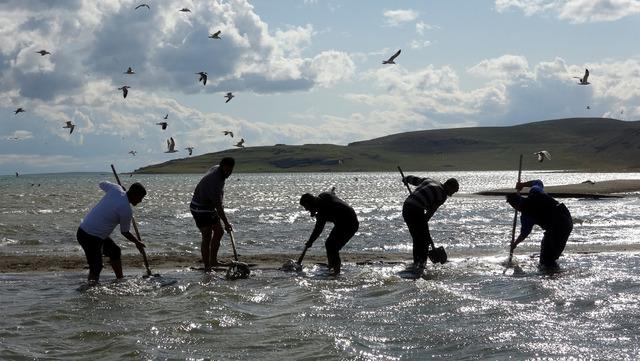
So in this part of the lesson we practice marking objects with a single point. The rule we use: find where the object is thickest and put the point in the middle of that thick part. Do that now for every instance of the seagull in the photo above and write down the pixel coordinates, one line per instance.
(142, 5)
(190, 149)
(43, 52)
(19, 110)
(133, 152)
(542, 155)
(392, 58)
(588, 107)
(185, 10)
(240, 144)
(163, 124)
(203, 77)
(17, 174)
(215, 35)
(69, 126)
(129, 71)
(229, 96)
(583, 80)
(228, 132)
(125, 90)
(171, 145)
(166, 116)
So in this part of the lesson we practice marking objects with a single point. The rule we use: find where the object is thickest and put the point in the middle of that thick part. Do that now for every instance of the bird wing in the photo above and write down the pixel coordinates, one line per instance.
(546, 154)
(395, 55)
(217, 33)
(173, 143)
(586, 75)
(72, 127)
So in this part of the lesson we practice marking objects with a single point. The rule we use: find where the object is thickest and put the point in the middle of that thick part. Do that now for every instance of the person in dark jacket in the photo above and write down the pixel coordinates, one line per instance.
(541, 209)
(326, 207)
(418, 209)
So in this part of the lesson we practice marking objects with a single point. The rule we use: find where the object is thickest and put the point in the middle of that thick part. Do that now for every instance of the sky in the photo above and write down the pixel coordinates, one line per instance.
(302, 71)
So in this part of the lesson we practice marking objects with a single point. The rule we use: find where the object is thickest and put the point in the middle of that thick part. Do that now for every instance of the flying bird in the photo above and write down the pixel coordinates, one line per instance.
(215, 35)
(185, 10)
(229, 96)
(171, 145)
(190, 149)
(392, 58)
(43, 52)
(228, 132)
(166, 116)
(133, 152)
(163, 124)
(142, 5)
(19, 110)
(125, 90)
(17, 174)
(69, 126)
(129, 71)
(240, 144)
(583, 80)
(588, 107)
(203, 77)
(542, 155)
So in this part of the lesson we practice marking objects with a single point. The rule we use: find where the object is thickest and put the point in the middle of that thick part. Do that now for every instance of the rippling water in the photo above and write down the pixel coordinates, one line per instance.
(468, 308)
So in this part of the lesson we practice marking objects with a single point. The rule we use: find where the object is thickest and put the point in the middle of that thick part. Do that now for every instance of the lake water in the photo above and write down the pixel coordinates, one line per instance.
(469, 308)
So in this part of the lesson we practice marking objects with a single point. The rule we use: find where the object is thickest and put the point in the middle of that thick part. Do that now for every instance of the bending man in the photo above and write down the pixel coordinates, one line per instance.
(418, 209)
(207, 210)
(541, 209)
(326, 207)
(97, 225)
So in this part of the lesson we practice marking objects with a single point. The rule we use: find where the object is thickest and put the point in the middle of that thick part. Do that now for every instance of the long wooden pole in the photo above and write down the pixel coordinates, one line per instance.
(515, 217)
(135, 228)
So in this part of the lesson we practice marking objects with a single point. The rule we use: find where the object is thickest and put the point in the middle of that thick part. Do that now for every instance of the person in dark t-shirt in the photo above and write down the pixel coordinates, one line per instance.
(326, 207)
(541, 209)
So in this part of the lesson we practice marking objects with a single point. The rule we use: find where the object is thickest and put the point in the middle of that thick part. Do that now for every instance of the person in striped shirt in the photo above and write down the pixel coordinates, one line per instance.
(420, 206)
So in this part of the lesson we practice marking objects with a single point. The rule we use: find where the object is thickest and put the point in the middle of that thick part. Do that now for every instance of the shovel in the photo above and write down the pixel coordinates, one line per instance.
(237, 269)
(293, 266)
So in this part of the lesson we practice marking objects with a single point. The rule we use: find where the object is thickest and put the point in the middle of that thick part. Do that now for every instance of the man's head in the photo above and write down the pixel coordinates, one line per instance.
(227, 164)
(451, 186)
(136, 193)
(308, 201)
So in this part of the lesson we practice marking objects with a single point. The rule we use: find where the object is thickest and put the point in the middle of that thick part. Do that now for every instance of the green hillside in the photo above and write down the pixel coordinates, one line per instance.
(590, 144)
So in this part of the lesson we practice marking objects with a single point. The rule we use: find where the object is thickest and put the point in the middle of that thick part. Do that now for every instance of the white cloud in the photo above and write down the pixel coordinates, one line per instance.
(421, 27)
(419, 44)
(574, 11)
(506, 66)
(397, 17)
(19, 135)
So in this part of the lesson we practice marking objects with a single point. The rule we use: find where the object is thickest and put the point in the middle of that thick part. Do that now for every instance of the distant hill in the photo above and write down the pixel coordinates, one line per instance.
(590, 144)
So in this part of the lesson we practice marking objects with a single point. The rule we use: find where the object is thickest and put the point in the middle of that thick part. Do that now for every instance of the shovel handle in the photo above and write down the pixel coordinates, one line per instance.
(304, 251)
(135, 227)
(233, 246)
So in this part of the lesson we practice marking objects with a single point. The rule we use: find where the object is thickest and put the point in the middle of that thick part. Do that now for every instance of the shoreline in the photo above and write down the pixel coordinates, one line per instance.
(13, 263)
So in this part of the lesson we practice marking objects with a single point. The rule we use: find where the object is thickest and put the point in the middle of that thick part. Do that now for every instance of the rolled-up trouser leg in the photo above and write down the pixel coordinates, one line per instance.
(555, 238)
(414, 217)
(338, 238)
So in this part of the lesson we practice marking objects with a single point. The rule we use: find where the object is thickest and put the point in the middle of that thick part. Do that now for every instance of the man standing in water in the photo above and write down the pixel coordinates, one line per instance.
(541, 209)
(418, 209)
(95, 228)
(326, 207)
(207, 210)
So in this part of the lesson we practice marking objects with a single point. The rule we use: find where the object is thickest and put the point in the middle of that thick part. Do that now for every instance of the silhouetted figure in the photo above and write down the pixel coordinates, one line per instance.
(418, 209)
(326, 207)
(203, 77)
(207, 209)
(125, 90)
(93, 234)
(541, 209)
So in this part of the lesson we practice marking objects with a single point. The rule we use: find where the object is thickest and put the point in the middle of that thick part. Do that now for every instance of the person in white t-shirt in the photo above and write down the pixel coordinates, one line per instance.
(96, 227)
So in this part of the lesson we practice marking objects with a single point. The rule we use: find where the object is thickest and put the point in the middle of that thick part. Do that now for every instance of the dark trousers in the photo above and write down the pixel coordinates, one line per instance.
(417, 221)
(94, 247)
(556, 236)
(338, 238)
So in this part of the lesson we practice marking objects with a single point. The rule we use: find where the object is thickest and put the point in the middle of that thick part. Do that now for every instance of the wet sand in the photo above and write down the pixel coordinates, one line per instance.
(588, 189)
(11, 263)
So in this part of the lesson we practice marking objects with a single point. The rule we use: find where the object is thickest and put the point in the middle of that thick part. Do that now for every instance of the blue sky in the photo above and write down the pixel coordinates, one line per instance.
(306, 71)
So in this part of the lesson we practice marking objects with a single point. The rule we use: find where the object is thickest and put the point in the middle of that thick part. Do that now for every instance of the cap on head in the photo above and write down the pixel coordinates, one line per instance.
(138, 189)
(227, 161)
(452, 185)
(307, 199)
